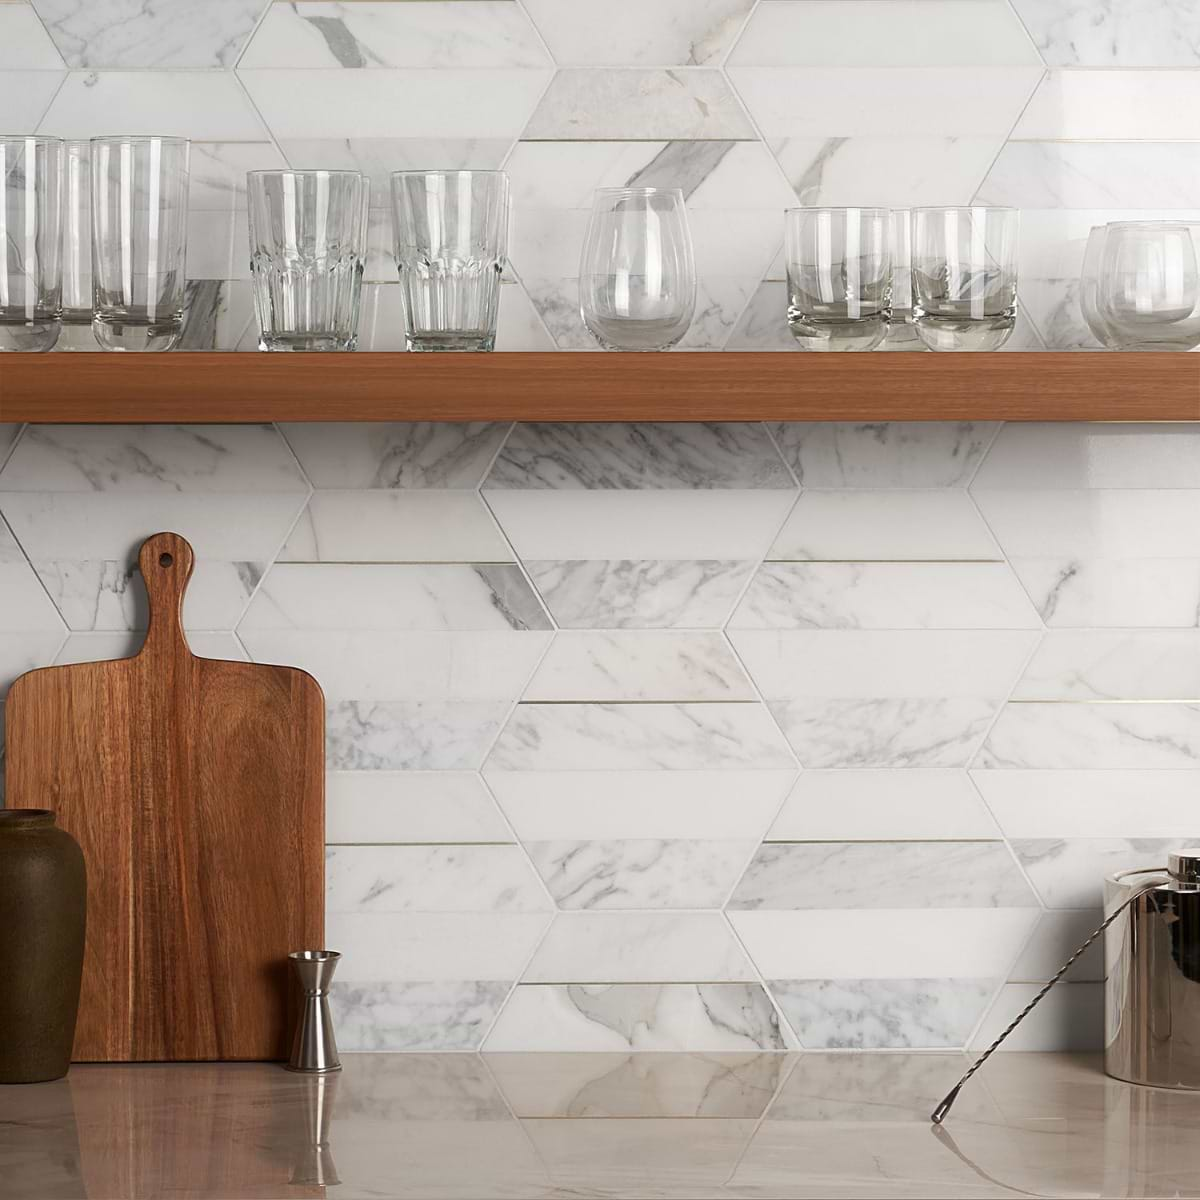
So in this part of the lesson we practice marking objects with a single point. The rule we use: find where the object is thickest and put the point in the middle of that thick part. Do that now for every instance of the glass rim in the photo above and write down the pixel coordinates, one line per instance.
(310, 171)
(42, 139)
(443, 172)
(996, 208)
(840, 208)
(138, 139)
(638, 191)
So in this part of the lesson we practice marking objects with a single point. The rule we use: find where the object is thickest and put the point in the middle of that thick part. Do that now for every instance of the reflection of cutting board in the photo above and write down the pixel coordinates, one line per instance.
(196, 789)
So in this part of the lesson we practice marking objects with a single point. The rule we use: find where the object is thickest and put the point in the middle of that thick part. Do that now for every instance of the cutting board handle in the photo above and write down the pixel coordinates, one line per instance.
(166, 562)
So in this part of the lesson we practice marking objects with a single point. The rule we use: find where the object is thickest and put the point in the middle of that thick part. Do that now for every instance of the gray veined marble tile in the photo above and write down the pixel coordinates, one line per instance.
(639, 593)
(96, 647)
(894, 454)
(27, 95)
(882, 1014)
(367, 33)
(613, 737)
(31, 631)
(644, 455)
(115, 34)
(1116, 665)
(8, 437)
(817, 875)
(648, 873)
(217, 172)
(1119, 33)
(603, 104)
(24, 43)
(217, 314)
(415, 1016)
(397, 454)
(1148, 105)
(638, 1016)
(763, 323)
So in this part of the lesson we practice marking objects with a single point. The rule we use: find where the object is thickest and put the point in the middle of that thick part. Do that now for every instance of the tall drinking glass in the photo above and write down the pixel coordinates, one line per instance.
(637, 275)
(31, 240)
(308, 246)
(77, 248)
(451, 230)
(964, 276)
(839, 270)
(139, 241)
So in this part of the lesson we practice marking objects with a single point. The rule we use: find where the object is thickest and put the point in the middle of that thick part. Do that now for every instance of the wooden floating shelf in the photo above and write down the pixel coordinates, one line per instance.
(203, 387)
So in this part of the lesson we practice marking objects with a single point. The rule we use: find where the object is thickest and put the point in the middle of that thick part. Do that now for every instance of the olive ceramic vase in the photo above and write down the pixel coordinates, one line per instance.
(43, 910)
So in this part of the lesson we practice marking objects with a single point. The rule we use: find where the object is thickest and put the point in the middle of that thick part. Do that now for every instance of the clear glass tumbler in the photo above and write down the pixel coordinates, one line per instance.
(1089, 286)
(77, 248)
(308, 247)
(964, 276)
(1148, 288)
(839, 270)
(451, 230)
(637, 274)
(31, 239)
(902, 333)
(139, 241)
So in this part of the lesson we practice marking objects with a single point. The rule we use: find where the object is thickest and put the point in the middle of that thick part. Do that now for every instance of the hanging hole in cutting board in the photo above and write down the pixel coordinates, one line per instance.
(165, 560)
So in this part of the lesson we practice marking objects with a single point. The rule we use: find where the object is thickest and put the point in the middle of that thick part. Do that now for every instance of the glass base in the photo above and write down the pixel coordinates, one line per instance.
(1182, 346)
(307, 343)
(28, 337)
(864, 334)
(136, 336)
(442, 343)
(957, 334)
(76, 337)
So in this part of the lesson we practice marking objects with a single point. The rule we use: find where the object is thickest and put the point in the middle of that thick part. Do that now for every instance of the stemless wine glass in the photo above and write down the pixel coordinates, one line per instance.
(1148, 293)
(308, 247)
(1089, 286)
(637, 276)
(839, 271)
(451, 232)
(31, 242)
(964, 276)
(139, 241)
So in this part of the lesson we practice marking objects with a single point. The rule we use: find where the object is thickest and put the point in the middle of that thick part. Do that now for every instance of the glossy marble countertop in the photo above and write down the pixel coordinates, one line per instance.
(568, 1126)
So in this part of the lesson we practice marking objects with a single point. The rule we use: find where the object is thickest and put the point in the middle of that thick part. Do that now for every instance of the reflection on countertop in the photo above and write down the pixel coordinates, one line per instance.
(542, 1126)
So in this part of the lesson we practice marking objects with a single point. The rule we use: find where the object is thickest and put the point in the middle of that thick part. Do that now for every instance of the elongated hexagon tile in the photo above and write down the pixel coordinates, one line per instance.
(24, 44)
(121, 34)
(31, 631)
(1119, 33)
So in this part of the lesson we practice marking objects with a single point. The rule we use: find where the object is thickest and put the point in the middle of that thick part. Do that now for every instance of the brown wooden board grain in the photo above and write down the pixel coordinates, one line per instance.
(196, 789)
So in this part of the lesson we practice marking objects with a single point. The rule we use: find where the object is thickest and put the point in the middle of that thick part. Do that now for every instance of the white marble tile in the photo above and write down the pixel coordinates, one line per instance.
(207, 106)
(24, 43)
(8, 437)
(686, 33)
(411, 735)
(1070, 1018)
(889, 454)
(884, 596)
(618, 737)
(417, 665)
(1087, 802)
(1042, 457)
(217, 245)
(882, 805)
(416, 947)
(95, 647)
(847, 102)
(941, 874)
(900, 171)
(217, 315)
(615, 456)
(396, 597)
(1057, 936)
(1070, 873)
(217, 172)
(408, 879)
(1116, 665)
(396, 103)
(1141, 105)
(763, 323)
(26, 95)
(884, 525)
(1100, 174)
(593, 947)
(692, 103)
(1116, 735)
(319, 33)
(415, 1016)
(410, 806)
(1160, 592)
(882, 1014)
(651, 524)
(640, 666)
(710, 805)
(31, 631)
(1122, 33)
(640, 593)
(646, 873)
(876, 943)
(116, 34)
(637, 1016)
(398, 454)
(395, 526)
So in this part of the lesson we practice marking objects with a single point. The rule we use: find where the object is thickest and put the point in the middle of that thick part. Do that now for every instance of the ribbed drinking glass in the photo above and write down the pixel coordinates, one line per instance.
(139, 241)
(451, 231)
(308, 247)
(31, 241)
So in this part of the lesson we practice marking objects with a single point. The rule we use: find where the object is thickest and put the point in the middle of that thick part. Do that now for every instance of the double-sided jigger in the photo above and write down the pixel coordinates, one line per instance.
(314, 1050)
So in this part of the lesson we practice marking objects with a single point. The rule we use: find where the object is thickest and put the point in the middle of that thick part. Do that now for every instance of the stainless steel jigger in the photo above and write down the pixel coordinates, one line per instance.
(314, 1050)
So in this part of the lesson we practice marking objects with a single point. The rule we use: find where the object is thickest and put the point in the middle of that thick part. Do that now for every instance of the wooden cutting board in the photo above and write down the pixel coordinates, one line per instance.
(196, 789)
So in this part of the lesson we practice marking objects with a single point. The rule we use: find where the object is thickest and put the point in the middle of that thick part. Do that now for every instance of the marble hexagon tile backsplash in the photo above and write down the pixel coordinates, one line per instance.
(1076, 113)
(716, 737)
